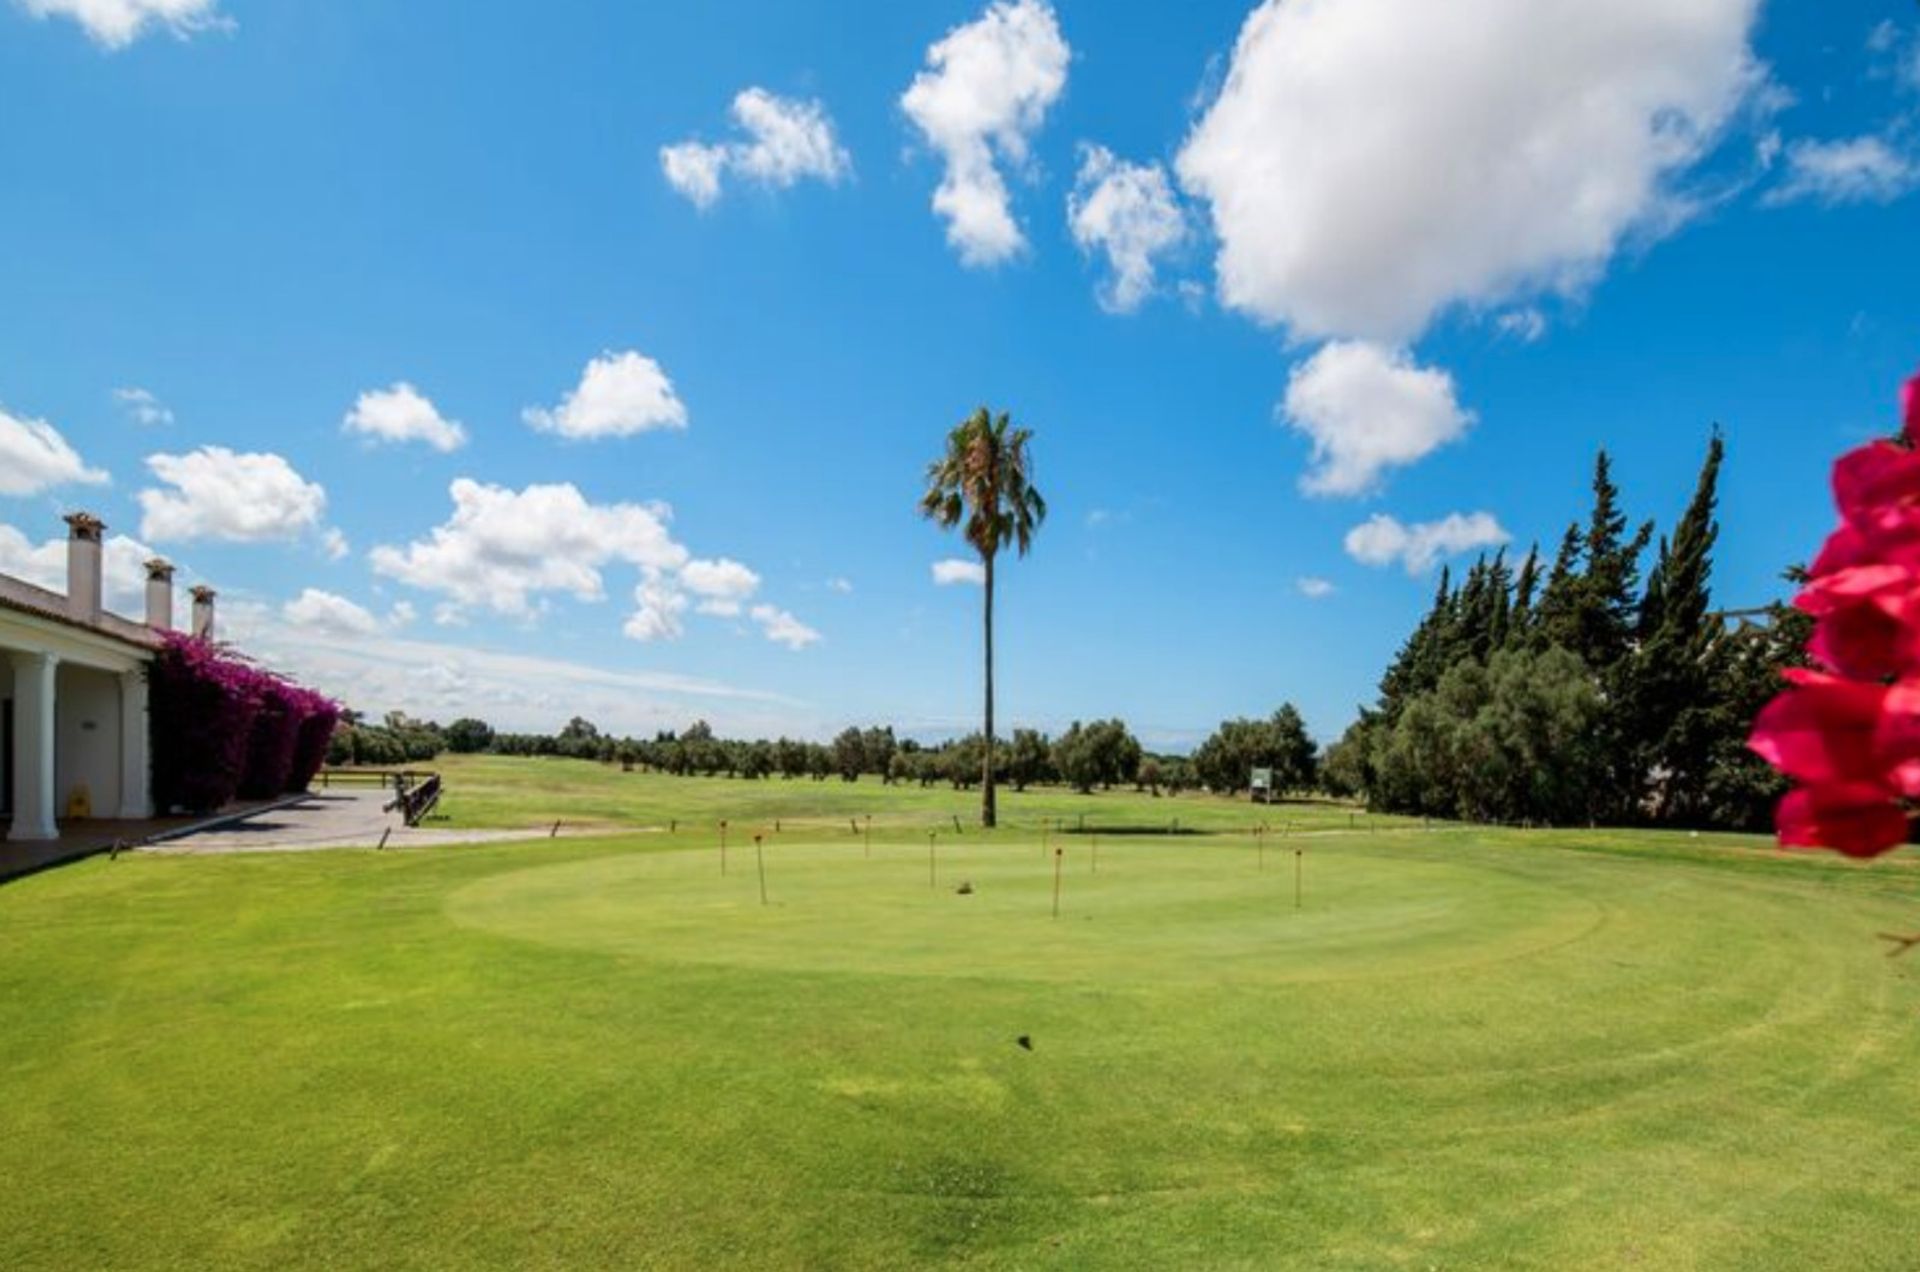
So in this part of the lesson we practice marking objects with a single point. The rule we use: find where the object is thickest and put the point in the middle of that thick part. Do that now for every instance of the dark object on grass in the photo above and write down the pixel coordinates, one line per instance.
(1026, 1043)
(1901, 944)
(966, 888)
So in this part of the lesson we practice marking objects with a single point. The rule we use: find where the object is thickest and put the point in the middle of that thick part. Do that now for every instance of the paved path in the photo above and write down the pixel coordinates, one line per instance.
(86, 837)
(338, 818)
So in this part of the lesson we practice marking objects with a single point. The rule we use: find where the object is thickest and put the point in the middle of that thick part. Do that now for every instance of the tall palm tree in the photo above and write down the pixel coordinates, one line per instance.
(982, 484)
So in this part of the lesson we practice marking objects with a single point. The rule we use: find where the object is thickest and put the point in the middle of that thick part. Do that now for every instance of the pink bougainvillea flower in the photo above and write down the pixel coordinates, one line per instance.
(1851, 735)
(1844, 548)
(1831, 730)
(1857, 818)
(1865, 641)
(1890, 537)
(1854, 585)
(1869, 619)
(1873, 485)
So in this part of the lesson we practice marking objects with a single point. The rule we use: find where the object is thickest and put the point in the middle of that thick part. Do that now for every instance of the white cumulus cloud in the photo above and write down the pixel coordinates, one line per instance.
(1851, 170)
(329, 614)
(658, 610)
(619, 394)
(502, 548)
(1368, 409)
(787, 141)
(1314, 589)
(1526, 324)
(1128, 212)
(401, 413)
(694, 170)
(35, 457)
(783, 628)
(722, 585)
(143, 407)
(985, 91)
(1383, 540)
(114, 24)
(954, 570)
(1369, 163)
(1896, 53)
(237, 497)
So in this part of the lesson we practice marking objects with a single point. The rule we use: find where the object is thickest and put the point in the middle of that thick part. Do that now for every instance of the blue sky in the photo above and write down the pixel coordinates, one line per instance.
(1454, 259)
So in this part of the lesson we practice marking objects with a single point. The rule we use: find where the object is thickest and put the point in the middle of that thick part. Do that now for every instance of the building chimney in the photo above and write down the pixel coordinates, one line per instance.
(203, 612)
(160, 595)
(83, 566)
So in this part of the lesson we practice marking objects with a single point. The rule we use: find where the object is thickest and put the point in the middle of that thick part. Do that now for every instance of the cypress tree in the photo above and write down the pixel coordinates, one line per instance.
(1677, 712)
(1473, 619)
(1500, 590)
(1689, 566)
(1555, 618)
(1413, 669)
(1520, 621)
(1652, 601)
(1605, 602)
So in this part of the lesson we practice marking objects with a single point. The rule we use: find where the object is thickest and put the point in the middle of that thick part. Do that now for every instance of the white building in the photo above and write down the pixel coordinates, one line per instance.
(73, 693)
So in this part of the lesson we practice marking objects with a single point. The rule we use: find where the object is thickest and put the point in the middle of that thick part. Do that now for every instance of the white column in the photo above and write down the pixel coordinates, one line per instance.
(33, 702)
(136, 803)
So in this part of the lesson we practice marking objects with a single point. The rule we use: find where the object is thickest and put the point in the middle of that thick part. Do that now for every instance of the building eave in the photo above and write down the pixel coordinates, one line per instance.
(37, 605)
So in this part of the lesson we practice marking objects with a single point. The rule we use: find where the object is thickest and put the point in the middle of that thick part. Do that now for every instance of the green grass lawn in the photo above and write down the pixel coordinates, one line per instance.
(1463, 1049)
(493, 791)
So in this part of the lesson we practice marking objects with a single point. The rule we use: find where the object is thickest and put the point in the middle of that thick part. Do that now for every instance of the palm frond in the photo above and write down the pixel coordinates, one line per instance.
(983, 479)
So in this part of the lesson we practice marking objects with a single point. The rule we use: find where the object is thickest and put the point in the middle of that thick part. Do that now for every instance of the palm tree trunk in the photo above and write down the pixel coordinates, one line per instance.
(986, 773)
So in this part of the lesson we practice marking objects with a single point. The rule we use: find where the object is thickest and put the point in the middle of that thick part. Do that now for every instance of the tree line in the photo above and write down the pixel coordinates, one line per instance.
(1574, 691)
(1087, 756)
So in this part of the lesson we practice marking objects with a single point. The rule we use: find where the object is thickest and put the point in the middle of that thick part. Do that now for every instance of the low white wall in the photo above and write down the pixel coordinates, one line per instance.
(86, 739)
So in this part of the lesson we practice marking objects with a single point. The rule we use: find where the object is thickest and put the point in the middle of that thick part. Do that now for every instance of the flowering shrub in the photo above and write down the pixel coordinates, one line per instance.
(273, 738)
(201, 708)
(319, 716)
(1848, 731)
(221, 727)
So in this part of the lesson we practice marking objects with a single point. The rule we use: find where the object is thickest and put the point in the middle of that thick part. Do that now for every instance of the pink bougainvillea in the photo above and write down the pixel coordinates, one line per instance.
(319, 715)
(1850, 735)
(273, 738)
(221, 727)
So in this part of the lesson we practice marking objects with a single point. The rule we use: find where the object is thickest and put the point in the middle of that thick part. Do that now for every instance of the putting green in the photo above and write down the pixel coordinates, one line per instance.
(1132, 910)
(1465, 1049)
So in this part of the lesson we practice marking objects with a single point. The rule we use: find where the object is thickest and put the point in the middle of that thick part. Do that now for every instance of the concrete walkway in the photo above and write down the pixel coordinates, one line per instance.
(85, 838)
(337, 818)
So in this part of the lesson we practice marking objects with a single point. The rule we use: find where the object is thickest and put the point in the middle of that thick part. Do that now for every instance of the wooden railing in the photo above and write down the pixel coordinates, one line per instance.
(395, 779)
(416, 792)
(415, 801)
